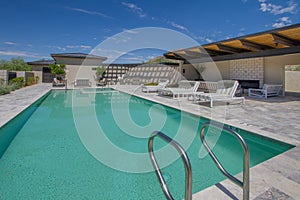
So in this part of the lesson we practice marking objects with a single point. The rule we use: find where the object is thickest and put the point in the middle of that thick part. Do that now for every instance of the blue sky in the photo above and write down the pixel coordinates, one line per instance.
(33, 29)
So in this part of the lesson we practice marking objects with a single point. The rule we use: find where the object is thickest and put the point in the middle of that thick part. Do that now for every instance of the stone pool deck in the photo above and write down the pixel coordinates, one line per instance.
(277, 117)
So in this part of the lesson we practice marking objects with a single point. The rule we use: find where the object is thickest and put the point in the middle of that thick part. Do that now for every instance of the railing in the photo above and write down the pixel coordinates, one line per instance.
(185, 159)
(246, 161)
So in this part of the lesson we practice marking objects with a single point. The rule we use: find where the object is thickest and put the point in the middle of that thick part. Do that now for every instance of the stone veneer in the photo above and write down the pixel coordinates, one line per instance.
(4, 75)
(248, 69)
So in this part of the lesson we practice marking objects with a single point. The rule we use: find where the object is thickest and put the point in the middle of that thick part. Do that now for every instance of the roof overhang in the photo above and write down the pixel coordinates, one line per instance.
(78, 59)
(274, 42)
(78, 55)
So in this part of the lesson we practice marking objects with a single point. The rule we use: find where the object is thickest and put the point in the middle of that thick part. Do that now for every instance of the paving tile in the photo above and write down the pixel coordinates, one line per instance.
(273, 194)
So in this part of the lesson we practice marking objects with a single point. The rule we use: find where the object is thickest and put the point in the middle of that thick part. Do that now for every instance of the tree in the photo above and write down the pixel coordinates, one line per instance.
(15, 64)
(100, 71)
(57, 69)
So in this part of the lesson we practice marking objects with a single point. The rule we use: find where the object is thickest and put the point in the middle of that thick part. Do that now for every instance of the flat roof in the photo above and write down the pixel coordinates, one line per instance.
(280, 41)
(78, 55)
(41, 62)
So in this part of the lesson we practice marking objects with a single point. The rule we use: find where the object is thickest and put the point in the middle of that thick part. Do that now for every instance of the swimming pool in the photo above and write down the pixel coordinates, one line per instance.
(48, 160)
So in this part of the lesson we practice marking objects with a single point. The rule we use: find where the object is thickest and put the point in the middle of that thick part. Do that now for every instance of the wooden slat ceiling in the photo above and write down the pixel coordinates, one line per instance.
(281, 38)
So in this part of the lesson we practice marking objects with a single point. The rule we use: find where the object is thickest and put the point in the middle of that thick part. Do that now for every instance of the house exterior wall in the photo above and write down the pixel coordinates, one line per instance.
(4, 75)
(269, 70)
(275, 67)
(247, 69)
(224, 68)
(38, 71)
(189, 72)
(77, 71)
(39, 74)
(214, 71)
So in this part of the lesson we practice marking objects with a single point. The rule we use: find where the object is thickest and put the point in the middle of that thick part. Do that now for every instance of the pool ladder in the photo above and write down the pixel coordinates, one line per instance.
(187, 165)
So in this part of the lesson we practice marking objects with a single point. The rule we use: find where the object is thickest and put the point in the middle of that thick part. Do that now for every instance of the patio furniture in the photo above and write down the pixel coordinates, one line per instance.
(82, 82)
(225, 92)
(101, 82)
(208, 86)
(154, 88)
(268, 90)
(58, 82)
(185, 88)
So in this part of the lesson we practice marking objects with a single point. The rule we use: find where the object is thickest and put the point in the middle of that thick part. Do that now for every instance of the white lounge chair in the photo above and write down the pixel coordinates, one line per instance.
(207, 86)
(185, 88)
(268, 90)
(154, 88)
(82, 82)
(58, 83)
(225, 92)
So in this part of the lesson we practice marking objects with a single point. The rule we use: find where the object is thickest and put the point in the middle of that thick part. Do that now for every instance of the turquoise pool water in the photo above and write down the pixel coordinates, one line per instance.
(47, 160)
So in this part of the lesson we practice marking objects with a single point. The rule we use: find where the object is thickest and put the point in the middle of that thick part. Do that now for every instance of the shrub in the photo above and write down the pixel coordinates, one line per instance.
(37, 78)
(30, 81)
(4, 90)
(19, 82)
(1, 82)
(13, 87)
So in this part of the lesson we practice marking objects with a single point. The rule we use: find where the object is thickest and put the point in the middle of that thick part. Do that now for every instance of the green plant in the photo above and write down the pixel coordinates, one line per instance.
(15, 64)
(297, 68)
(58, 69)
(2, 82)
(13, 87)
(4, 90)
(19, 82)
(30, 81)
(100, 72)
(36, 78)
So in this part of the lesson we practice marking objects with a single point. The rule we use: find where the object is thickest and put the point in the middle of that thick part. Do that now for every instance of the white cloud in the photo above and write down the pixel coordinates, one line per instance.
(130, 31)
(281, 22)
(208, 40)
(278, 9)
(57, 47)
(19, 54)
(82, 47)
(135, 9)
(89, 12)
(178, 26)
(10, 43)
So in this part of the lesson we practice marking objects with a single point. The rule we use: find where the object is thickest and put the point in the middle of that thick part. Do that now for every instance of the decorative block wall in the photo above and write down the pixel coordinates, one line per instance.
(248, 69)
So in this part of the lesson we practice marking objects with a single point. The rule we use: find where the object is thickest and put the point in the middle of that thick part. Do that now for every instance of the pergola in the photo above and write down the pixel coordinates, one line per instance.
(279, 41)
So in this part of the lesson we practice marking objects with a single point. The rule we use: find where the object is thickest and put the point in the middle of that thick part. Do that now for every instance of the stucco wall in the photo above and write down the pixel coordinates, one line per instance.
(189, 72)
(224, 68)
(213, 71)
(77, 71)
(275, 65)
(39, 74)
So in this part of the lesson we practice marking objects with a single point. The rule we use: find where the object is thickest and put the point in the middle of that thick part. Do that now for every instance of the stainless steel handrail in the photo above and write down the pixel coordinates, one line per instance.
(246, 161)
(185, 159)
